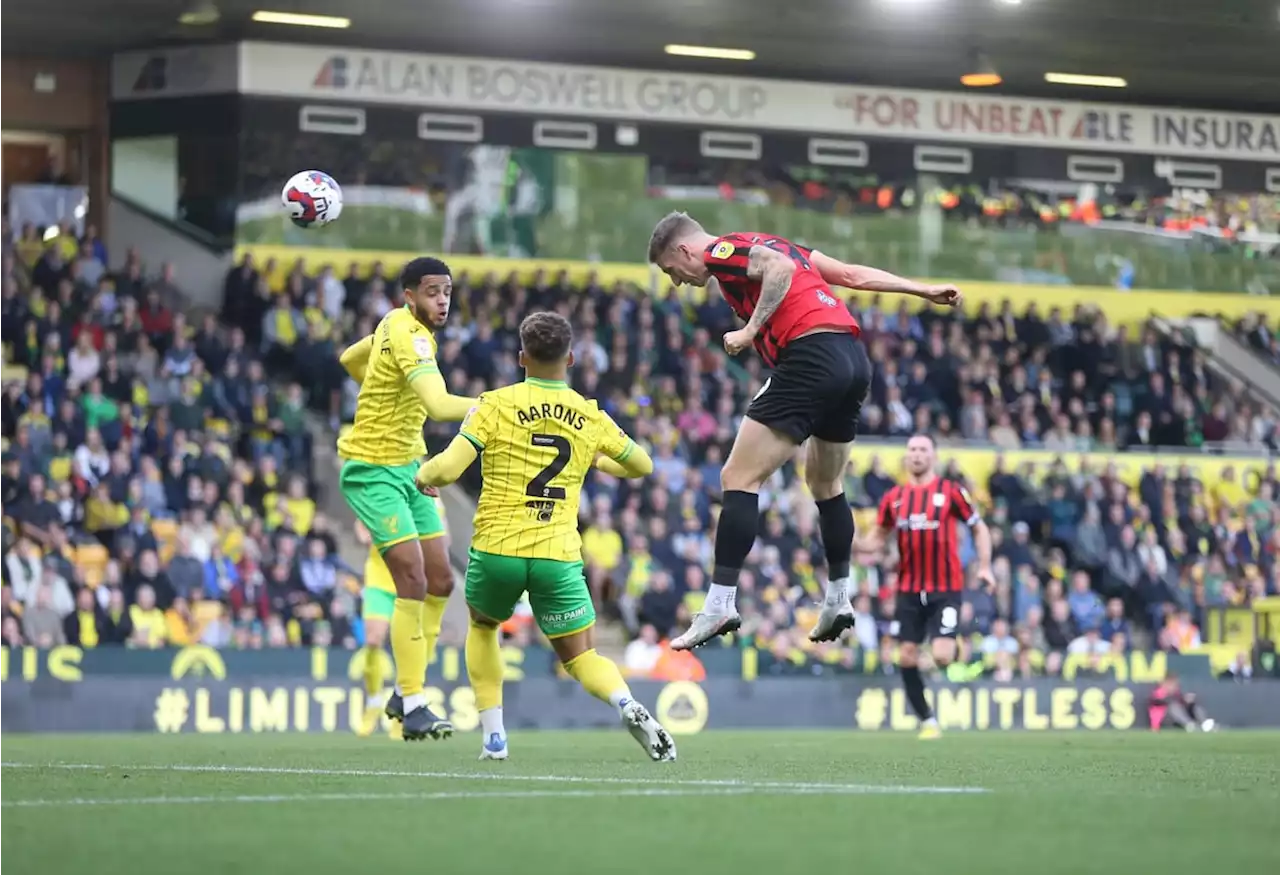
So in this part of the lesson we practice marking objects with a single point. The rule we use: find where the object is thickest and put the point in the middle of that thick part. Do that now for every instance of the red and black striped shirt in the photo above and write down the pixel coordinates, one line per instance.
(928, 545)
(809, 303)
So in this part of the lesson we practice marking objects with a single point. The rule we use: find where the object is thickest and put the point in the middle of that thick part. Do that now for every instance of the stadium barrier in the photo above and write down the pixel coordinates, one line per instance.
(1131, 308)
(72, 665)
(202, 691)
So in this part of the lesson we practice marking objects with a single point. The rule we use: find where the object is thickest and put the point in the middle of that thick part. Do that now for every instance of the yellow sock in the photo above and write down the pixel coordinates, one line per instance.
(484, 665)
(599, 677)
(408, 646)
(432, 615)
(372, 670)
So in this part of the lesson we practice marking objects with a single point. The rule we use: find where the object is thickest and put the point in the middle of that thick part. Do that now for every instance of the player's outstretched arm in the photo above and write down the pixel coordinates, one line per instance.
(447, 467)
(871, 279)
(982, 545)
(440, 405)
(617, 454)
(355, 358)
(634, 462)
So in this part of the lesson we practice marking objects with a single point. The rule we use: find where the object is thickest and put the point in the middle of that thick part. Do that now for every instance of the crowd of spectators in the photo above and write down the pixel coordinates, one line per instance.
(170, 450)
(1055, 381)
(157, 488)
(999, 203)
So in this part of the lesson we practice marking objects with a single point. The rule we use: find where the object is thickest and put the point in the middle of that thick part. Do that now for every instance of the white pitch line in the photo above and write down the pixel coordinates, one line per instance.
(800, 786)
(277, 798)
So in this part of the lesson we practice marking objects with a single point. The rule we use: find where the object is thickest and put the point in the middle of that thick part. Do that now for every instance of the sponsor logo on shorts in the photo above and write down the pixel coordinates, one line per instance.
(565, 617)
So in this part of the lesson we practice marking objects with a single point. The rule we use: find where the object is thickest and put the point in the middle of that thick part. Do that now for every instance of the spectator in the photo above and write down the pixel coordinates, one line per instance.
(642, 654)
(83, 626)
(41, 623)
(1086, 606)
(1124, 564)
(148, 621)
(1114, 623)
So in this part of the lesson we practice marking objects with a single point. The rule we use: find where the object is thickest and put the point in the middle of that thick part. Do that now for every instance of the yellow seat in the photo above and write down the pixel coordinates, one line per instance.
(205, 612)
(166, 531)
(92, 560)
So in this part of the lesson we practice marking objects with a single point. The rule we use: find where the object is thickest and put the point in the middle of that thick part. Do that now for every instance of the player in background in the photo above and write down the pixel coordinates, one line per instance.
(400, 385)
(1171, 706)
(923, 511)
(378, 598)
(537, 440)
(820, 378)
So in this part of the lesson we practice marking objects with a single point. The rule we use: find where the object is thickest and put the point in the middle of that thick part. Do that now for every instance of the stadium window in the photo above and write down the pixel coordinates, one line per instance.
(839, 153)
(564, 135)
(452, 128)
(1094, 168)
(942, 159)
(721, 144)
(347, 120)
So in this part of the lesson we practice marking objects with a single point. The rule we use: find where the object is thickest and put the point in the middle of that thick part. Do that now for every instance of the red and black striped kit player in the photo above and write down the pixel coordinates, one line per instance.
(820, 375)
(923, 514)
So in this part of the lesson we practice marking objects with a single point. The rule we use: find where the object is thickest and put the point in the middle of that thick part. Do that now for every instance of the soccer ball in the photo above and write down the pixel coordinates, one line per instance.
(311, 199)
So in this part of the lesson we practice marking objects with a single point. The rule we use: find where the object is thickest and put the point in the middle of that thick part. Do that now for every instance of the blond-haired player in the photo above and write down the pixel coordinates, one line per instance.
(537, 441)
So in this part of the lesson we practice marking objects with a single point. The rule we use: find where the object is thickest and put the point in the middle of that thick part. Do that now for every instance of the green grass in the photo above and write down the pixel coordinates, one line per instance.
(740, 802)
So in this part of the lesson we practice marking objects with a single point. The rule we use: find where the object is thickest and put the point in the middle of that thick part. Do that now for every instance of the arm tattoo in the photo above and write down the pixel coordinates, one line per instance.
(774, 272)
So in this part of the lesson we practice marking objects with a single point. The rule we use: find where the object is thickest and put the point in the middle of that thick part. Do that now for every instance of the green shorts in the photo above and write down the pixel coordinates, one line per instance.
(384, 498)
(378, 604)
(557, 591)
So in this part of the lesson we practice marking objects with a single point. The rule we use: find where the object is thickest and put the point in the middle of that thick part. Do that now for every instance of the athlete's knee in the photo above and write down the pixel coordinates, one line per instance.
(405, 564)
(440, 582)
(822, 487)
(439, 573)
(737, 478)
(480, 621)
(944, 652)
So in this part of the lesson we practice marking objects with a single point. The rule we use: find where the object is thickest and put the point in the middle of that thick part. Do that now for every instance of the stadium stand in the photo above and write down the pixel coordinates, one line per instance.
(158, 475)
(1090, 559)
(157, 491)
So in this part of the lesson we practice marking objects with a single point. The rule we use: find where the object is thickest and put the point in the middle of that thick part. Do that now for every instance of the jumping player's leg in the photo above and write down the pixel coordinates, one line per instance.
(493, 587)
(562, 605)
(381, 498)
(827, 459)
(824, 468)
(758, 451)
(435, 562)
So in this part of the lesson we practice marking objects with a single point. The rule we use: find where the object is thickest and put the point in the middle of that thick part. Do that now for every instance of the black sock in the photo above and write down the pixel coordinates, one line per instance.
(915, 692)
(735, 535)
(835, 522)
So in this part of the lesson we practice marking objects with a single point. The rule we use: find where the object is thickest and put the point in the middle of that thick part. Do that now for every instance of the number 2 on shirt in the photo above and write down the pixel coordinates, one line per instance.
(540, 486)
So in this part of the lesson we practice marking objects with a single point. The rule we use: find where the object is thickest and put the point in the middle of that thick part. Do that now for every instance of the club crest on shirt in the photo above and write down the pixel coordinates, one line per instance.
(723, 249)
(939, 499)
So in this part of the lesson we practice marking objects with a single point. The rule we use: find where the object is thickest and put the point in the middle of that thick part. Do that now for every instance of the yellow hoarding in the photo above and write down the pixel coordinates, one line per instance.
(1122, 308)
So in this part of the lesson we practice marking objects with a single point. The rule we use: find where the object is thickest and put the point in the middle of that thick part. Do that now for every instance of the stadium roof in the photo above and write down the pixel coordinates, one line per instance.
(1204, 53)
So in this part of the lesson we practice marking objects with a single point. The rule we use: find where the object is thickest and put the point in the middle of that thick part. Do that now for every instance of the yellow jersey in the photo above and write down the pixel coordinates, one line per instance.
(537, 440)
(389, 414)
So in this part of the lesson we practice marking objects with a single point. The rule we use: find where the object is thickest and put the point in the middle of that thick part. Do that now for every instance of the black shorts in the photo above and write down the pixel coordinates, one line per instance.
(922, 615)
(816, 389)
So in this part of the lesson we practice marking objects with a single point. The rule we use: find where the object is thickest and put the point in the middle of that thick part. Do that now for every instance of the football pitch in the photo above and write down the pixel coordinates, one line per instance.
(579, 802)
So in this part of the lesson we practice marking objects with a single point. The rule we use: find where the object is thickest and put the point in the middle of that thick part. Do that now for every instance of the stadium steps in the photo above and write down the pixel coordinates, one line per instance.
(1226, 355)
